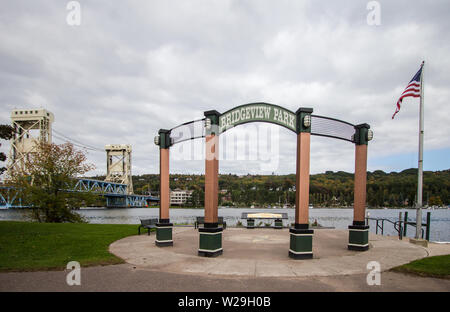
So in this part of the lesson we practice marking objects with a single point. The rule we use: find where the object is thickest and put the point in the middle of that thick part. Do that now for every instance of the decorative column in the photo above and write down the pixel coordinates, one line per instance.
(210, 240)
(300, 235)
(164, 227)
(359, 231)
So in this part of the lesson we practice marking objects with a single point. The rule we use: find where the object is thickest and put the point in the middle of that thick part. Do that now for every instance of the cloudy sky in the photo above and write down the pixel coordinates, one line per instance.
(133, 67)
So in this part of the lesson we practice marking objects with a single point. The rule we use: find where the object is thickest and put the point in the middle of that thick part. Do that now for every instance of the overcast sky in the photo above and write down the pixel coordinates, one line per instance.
(133, 67)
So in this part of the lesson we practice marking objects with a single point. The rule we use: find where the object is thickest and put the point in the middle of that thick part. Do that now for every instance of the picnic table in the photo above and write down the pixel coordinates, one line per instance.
(252, 216)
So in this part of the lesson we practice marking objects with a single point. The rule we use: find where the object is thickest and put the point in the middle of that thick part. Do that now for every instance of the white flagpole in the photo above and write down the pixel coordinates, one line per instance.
(420, 171)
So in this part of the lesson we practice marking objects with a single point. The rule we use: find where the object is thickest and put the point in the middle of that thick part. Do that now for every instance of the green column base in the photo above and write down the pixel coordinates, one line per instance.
(358, 237)
(210, 242)
(301, 242)
(164, 234)
(250, 223)
(278, 224)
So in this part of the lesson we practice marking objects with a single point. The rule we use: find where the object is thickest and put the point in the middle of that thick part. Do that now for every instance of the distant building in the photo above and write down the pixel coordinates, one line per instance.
(180, 197)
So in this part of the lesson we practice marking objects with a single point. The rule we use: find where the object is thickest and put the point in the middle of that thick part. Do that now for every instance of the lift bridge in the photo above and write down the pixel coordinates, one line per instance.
(34, 126)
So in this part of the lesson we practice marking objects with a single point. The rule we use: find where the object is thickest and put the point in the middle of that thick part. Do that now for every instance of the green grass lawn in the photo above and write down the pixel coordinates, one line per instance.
(437, 266)
(27, 246)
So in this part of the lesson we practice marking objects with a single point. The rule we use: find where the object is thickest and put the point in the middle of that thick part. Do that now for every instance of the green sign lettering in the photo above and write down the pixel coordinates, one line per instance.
(257, 112)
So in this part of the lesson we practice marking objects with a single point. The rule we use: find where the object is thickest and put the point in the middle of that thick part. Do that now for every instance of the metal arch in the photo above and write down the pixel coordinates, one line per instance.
(330, 118)
(186, 123)
(192, 137)
(331, 132)
(336, 129)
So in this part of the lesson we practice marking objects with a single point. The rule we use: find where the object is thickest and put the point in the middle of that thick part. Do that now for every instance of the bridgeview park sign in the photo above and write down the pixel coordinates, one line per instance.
(257, 112)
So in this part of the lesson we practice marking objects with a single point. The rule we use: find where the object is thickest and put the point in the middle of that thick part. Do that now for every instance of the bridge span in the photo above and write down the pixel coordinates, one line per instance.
(116, 194)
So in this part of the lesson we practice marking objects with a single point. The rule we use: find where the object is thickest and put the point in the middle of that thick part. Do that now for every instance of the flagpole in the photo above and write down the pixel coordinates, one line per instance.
(420, 171)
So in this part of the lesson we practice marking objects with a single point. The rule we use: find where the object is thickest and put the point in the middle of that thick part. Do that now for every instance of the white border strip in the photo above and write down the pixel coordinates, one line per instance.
(300, 252)
(302, 234)
(359, 245)
(209, 233)
(164, 227)
(163, 241)
(207, 250)
(357, 230)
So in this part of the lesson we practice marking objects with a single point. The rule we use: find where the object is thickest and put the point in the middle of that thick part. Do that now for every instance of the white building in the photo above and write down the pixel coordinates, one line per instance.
(179, 197)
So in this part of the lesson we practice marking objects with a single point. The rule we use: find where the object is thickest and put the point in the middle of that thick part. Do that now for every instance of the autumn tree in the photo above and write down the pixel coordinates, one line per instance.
(435, 201)
(50, 176)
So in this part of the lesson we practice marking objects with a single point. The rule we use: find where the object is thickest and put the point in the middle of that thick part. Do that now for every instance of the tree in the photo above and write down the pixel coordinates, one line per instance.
(51, 174)
(435, 201)
(6, 133)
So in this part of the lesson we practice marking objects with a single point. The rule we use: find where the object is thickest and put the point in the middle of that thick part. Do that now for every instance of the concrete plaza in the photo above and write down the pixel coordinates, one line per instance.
(253, 260)
(264, 253)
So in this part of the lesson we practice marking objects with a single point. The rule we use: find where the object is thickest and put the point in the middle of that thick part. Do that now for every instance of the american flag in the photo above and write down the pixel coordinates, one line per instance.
(412, 89)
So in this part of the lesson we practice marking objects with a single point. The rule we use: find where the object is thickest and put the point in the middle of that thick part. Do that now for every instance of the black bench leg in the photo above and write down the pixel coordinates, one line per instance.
(148, 231)
(139, 230)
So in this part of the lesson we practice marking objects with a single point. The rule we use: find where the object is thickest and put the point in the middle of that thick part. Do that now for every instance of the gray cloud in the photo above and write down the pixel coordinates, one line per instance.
(133, 67)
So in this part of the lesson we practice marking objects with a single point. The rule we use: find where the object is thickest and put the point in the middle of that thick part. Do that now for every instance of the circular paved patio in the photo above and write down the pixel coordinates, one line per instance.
(264, 252)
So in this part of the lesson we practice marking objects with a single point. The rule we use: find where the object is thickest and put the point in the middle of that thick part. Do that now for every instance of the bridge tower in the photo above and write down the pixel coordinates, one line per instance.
(118, 165)
(32, 127)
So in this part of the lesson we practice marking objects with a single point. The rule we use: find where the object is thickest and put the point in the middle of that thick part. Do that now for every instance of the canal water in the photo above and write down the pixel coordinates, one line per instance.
(338, 218)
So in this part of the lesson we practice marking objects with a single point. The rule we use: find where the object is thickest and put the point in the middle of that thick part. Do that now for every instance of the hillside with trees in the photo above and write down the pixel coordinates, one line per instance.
(329, 189)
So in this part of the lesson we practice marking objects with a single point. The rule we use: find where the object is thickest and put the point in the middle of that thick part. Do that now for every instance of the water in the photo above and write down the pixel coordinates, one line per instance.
(339, 218)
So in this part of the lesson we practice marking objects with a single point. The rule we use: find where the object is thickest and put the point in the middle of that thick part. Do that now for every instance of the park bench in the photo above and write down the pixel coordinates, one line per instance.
(147, 224)
(277, 217)
(201, 220)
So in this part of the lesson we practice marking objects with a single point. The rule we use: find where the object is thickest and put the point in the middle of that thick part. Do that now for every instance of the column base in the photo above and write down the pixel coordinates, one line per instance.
(210, 254)
(300, 256)
(358, 237)
(163, 244)
(164, 234)
(301, 242)
(210, 241)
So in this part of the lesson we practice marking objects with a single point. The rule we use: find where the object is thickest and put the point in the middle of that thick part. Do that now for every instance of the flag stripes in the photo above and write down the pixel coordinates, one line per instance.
(411, 90)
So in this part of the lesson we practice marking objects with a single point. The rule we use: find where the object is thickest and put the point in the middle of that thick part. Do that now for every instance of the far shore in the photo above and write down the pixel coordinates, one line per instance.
(243, 207)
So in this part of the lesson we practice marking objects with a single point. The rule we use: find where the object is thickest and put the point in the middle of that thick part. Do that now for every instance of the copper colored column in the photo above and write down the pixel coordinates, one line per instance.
(302, 179)
(359, 205)
(211, 178)
(164, 195)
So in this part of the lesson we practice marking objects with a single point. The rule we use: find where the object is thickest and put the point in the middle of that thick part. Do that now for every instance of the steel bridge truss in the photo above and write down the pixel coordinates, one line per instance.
(115, 193)
(102, 187)
(10, 198)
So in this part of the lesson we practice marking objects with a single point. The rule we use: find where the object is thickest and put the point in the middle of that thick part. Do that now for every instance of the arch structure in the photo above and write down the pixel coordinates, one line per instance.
(304, 124)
